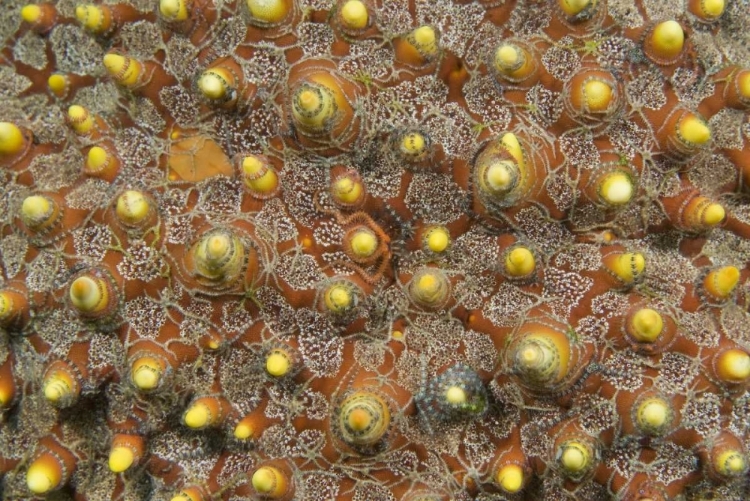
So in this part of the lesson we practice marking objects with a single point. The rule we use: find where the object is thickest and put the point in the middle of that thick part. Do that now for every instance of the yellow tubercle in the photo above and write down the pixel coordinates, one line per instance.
(743, 84)
(653, 415)
(132, 207)
(413, 144)
(512, 61)
(97, 159)
(616, 189)
(730, 463)
(269, 481)
(124, 70)
(313, 106)
(575, 457)
(347, 190)
(12, 141)
(120, 459)
(146, 373)
(338, 298)
(214, 83)
(667, 40)
(259, 177)
(711, 9)
(429, 287)
(511, 143)
(268, 11)
(58, 84)
(720, 283)
(424, 40)
(694, 129)
(510, 478)
(598, 95)
(88, 294)
(198, 415)
(93, 18)
(278, 363)
(646, 325)
(628, 266)
(7, 306)
(575, 7)
(359, 419)
(58, 387)
(174, 10)
(243, 431)
(354, 15)
(31, 13)
(43, 476)
(364, 243)
(455, 395)
(437, 239)
(80, 119)
(520, 262)
(733, 366)
(500, 177)
(37, 211)
(713, 214)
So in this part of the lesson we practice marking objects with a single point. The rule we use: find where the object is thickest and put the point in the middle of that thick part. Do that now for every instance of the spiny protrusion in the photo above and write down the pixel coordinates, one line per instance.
(511, 478)
(270, 482)
(95, 18)
(645, 325)
(268, 12)
(347, 190)
(82, 122)
(720, 283)
(732, 366)
(707, 10)
(353, 15)
(259, 176)
(133, 208)
(218, 256)
(174, 10)
(664, 42)
(626, 267)
(653, 415)
(429, 287)
(436, 239)
(514, 62)
(519, 262)
(60, 385)
(124, 70)
(363, 419)
(125, 451)
(205, 412)
(92, 295)
(40, 213)
(12, 140)
(576, 458)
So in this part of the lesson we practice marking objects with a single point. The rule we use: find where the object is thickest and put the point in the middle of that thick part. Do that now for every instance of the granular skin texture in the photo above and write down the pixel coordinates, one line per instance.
(372, 251)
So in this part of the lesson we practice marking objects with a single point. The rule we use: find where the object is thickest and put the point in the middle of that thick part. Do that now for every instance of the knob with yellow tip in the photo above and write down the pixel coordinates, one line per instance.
(577, 9)
(133, 209)
(707, 11)
(616, 189)
(576, 458)
(314, 107)
(429, 288)
(174, 10)
(60, 384)
(353, 16)
(12, 140)
(41, 17)
(664, 42)
(419, 47)
(511, 478)
(7, 385)
(217, 258)
(436, 239)
(730, 463)
(413, 146)
(265, 13)
(147, 372)
(281, 362)
(124, 70)
(363, 419)
(340, 298)
(519, 262)
(701, 214)
(82, 122)
(513, 61)
(259, 176)
(205, 412)
(46, 473)
(191, 493)
(92, 294)
(101, 163)
(732, 366)
(125, 451)
(362, 244)
(41, 214)
(246, 428)
(592, 95)
(720, 283)
(653, 415)
(541, 357)
(627, 267)
(347, 190)
(95, 18)
(645, 325)
(270, 482)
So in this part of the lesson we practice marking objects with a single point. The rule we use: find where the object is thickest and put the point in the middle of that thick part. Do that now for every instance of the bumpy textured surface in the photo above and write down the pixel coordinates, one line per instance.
(316, 324)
